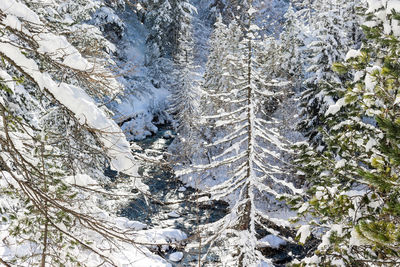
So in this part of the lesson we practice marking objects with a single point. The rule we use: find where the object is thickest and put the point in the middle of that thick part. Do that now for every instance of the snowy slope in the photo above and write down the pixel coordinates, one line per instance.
(142, 103)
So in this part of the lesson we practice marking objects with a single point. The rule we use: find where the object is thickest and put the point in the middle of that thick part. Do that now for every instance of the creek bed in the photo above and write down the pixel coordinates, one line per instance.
(178, 213)
(168, 206)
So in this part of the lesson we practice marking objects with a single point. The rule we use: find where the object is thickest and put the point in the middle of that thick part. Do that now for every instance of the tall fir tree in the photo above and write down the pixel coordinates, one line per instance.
(185, 97)
(250, 170)
(292, 48)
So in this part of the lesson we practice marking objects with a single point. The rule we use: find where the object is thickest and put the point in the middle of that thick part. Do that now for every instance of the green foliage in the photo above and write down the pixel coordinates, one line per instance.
(353, 182)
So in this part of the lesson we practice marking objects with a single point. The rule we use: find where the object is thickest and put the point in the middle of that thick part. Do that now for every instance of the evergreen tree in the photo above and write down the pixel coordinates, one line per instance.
(291, 50)
(221, 67)
(166, 19)
(185, 98)
(55, 141)
(250, 170)
(330, 44)
(354, 193)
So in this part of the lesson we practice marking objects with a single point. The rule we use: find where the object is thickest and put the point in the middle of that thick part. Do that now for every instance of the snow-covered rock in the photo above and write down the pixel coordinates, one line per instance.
(176, 256)
(135, 225)
(182, 189)
(174, 214)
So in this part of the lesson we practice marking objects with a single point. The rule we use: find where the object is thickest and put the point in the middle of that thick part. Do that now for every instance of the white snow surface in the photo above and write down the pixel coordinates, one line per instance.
(374, 5)
(393, 5)
(19, 10)
(160, 236)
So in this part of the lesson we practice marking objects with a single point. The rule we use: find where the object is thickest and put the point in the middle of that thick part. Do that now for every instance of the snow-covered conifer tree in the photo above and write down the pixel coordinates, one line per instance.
(292, 48)
(353, 194)
(331, 34)
(185, 97)
(221, 67)
(165, 20)
(251, 172)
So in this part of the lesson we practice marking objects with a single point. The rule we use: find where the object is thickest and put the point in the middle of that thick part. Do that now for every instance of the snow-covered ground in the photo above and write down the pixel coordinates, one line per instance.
(142, 103)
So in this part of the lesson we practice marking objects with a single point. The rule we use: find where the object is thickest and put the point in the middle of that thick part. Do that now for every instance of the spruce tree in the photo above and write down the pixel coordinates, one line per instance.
(292, 48)
(166, 20)
(251, 170)
(185, 97)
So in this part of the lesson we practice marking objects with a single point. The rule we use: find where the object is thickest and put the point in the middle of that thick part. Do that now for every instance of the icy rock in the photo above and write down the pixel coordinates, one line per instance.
(176, 256)
(173, 214)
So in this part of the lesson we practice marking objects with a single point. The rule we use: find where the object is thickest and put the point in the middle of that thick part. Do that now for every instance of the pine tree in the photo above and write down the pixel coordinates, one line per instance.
(250, 168)
(354, 192)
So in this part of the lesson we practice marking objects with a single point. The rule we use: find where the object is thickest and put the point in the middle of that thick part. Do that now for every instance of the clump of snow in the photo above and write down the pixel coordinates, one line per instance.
(135, 225)
(272, 241)
(304, 207)
(304, 232)
(340, 164)
(333, 109)
(370, 81)
(19, 10)
(174, 214)
(251, 11)
(313, 261)
(182, 189)
(370, 144)
(160, 236)
(374, 5)
(176, 256)
(81, 180)
(123, 222)
(353, 54)
(393, 5)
